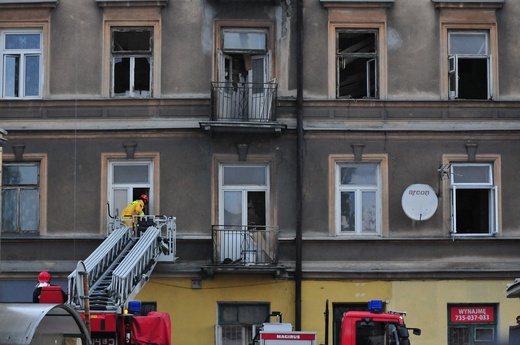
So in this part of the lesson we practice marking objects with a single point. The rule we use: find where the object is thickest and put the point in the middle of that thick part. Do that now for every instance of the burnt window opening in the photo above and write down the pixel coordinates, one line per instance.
(132, 62)
(469, 65)
(357, 64)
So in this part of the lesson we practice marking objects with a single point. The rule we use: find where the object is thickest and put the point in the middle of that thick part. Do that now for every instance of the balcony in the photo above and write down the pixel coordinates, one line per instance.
(251, 248)
(244, 106)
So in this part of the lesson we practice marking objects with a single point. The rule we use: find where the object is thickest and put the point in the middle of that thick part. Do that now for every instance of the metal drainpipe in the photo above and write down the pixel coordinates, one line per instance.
(299, 164)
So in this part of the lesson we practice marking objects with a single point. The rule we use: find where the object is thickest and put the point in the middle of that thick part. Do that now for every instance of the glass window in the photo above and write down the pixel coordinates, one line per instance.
(132, 62)
(244, 194)
(21, 67)
(127, 181)
(20, 197)
(239, 323)
(358, 198)
(357, 63)
(473, 199)
(469, 65)
(470, 324)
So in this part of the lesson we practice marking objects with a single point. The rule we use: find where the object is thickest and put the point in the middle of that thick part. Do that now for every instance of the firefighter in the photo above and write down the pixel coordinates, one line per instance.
(44, 279)
(135, 208)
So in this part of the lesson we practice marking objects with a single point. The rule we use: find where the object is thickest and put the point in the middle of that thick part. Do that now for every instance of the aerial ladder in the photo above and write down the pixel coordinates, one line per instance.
(104, 285)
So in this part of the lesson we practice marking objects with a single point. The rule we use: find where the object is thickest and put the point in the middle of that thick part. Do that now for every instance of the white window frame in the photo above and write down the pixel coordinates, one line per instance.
(487, 185)
(129, 187)
(358, 191)
(22, 54)
(244, 189)
(453, 63)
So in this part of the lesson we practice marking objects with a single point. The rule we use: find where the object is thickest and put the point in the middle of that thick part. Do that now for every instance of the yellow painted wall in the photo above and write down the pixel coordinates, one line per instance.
(193, 312)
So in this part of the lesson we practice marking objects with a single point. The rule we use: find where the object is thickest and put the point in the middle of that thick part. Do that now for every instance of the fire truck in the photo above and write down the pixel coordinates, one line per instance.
(103, 286)
(371, 327)
(375, 327)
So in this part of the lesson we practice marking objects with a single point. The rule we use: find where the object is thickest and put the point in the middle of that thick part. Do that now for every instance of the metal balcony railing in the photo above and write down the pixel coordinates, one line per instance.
(243, 102)
(245, 245)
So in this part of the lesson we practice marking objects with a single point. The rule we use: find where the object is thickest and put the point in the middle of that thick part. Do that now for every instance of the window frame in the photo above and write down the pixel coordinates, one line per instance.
(244, 189)
(457, 20)
(336, 160)
(243, 328)
(107, 159)
(252, 159)
(264, 26)
(131, 17)
(494, 160)
(22, 54)
(42, 160)
(453, 65)
(362, 18)
(133, 56)
(372, 59)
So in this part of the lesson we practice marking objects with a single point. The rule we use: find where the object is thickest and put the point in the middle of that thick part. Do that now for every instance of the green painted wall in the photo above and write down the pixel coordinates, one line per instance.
(193, 312)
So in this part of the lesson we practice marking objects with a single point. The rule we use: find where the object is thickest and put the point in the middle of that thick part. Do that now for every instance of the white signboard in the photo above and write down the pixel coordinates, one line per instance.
(419, 201)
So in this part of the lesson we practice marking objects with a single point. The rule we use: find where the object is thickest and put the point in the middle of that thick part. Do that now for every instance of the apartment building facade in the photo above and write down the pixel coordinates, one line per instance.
(314, 153)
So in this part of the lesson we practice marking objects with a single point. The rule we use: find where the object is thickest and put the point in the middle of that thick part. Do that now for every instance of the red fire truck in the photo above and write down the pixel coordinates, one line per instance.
(371, 327)
(375, 327)
(103, 287)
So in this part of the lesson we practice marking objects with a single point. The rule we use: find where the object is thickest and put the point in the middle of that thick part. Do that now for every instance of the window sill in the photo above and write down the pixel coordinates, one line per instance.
(132, 3)
(468, 3)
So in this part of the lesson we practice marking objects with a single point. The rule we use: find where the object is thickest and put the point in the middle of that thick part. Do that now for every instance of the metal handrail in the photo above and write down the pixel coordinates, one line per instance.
(245, 245)
(243, 102)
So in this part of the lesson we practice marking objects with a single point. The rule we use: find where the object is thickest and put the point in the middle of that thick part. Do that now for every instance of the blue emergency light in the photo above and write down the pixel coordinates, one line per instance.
(375, 306)
(134, 307)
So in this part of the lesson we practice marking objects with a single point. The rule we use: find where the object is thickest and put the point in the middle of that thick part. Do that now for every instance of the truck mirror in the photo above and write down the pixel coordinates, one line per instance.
(416, 331)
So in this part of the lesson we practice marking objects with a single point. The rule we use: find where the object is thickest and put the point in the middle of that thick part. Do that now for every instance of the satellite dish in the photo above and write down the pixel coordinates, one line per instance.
(419, 202)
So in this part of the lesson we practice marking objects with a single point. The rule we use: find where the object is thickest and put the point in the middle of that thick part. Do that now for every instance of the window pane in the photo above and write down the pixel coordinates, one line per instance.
(472, 174)
(9, 210)
(20, 175)
(234, 176)
(12, 75)
(132, 40)
(233, 208)
(252, 314)
(142, 74)
(229, 314)
(121, 75)
(466, 43)
(361, 174)
(348, 209)
(244, 40)
(32, 76)
(369, 211)
(131, 173)
(22, 41)
(29, 210)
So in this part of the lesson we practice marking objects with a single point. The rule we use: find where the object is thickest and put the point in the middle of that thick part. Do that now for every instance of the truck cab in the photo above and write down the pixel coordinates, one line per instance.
(373, 327)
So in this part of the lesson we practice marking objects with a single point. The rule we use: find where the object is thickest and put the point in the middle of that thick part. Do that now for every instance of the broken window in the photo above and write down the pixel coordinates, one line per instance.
(132, 62)
(469, 65)
(244, 89)
(357, 64)
(21, 66)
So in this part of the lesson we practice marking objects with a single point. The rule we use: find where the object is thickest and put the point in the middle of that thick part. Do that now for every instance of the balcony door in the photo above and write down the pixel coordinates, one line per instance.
(243, 205)
(243, 71)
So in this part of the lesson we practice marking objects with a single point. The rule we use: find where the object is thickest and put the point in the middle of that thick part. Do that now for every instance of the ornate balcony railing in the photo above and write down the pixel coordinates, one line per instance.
(245, 245)
(243, 102)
